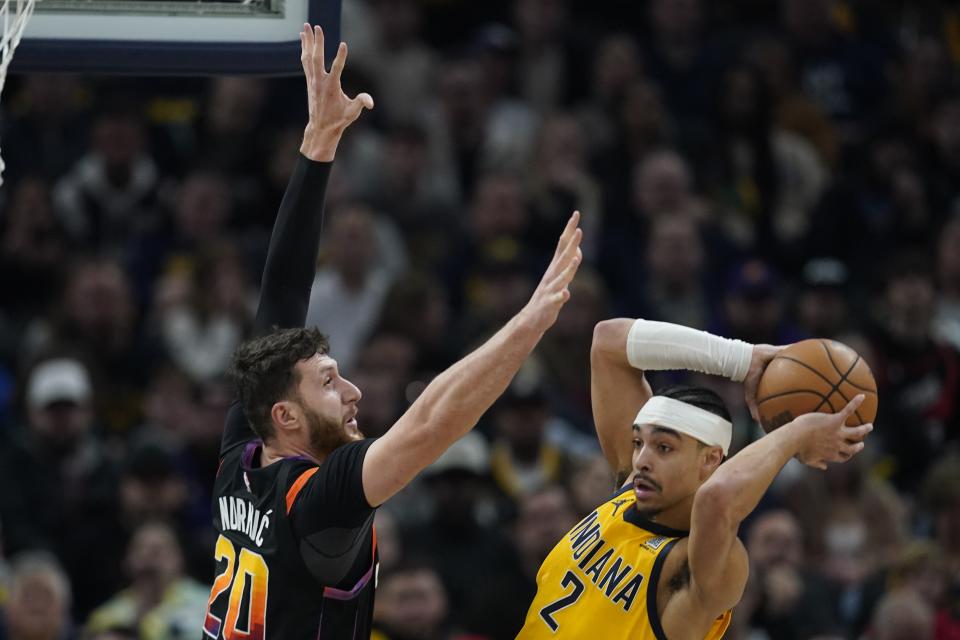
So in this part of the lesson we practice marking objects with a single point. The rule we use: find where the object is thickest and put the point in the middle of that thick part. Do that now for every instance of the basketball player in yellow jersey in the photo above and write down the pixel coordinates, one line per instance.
(661, 558)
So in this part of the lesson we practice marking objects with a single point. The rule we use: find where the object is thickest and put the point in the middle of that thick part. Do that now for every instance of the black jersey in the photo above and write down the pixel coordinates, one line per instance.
(296, 552)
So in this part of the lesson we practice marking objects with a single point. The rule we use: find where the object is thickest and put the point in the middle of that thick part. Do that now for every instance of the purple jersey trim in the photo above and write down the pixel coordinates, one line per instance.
(341, 594)
(246, 458)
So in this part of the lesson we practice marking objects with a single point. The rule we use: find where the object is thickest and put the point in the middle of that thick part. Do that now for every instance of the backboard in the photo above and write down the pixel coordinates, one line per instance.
(172, 37)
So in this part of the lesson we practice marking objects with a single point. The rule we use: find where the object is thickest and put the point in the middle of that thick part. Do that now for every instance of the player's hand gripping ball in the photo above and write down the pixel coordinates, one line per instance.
(815, 376)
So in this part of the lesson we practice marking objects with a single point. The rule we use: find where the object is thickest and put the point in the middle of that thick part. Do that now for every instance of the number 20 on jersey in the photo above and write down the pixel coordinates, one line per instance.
(234, 577)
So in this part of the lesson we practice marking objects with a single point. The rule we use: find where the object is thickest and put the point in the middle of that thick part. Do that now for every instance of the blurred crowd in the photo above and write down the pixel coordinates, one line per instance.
(764, 170)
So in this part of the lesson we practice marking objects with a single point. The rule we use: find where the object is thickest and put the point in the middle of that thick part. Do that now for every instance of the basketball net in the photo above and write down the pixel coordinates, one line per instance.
(13, 15)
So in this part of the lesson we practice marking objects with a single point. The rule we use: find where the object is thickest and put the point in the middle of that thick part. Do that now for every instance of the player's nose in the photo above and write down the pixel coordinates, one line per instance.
(351, 392)
(641, 461)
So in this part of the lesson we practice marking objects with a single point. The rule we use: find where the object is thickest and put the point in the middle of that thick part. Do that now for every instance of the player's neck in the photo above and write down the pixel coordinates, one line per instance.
(276, 451)
(677, 516)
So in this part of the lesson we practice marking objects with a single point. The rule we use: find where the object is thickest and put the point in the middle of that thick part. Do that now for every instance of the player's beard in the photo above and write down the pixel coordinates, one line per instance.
(326, 434)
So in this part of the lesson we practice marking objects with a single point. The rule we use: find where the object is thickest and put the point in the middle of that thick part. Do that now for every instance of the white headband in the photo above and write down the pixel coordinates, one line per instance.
(708, 428)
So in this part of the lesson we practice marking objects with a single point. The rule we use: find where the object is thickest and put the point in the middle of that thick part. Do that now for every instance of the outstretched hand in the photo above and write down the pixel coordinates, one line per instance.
(826, 438)
(331, 110)
(552, 292)
(762, 355)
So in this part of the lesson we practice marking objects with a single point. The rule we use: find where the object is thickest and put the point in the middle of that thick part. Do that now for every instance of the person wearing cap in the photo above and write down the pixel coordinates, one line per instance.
(661, 558)
(822, 306)
(64, 492)
(753, 306)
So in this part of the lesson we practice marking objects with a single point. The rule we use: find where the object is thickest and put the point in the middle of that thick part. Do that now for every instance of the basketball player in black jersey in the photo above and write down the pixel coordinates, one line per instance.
(298, 484)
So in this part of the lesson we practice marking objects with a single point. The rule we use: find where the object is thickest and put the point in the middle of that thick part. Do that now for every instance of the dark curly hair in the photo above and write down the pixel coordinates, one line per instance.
(263, 370)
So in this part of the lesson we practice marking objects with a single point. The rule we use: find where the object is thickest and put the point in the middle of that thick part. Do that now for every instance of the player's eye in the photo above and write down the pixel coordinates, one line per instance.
(328, 382)
(665, 448)
(637, 443)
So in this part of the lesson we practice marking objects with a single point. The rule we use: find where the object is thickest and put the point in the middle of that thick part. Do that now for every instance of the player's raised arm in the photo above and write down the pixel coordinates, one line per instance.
(718, 561)
(295, 241)
(617, 391)
(454, 401)
(624, 348)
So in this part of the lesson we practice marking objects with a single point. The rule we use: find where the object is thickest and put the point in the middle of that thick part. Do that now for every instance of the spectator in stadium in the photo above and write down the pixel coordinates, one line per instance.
(38, 607)
(616, 65)
(754, 306)
(152, 487)
(793, 602)
(548, 59)
(463, 515)
(590, 482)
(824, 49)
(202, 210)
(412, 604)
(681, 59)
(764, 181)
(228, 133)
(880, 205)
(639, 125)
(916, 374)
(96, 316)
(523, 458)
(903, 615)
(33, 247)
(111, 193)
(47, 126)
(349, 292)
(823, 305)
(58, 462)
(543, 517)
(558, 180)
(400, 64)
(564, 353)
(412, 195)
(417, 308)
(672, 288)
(204, 312)
(161, 602)
(472, 132)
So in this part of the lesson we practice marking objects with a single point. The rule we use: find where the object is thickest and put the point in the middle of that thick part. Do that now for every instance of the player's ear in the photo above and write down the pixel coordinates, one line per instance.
(284, 415)
(710, 460)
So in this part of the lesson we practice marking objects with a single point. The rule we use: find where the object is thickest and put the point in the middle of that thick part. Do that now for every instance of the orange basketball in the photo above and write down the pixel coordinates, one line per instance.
(815, 375)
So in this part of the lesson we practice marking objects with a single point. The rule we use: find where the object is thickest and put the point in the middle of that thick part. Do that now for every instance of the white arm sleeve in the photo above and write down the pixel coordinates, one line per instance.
(658, 346)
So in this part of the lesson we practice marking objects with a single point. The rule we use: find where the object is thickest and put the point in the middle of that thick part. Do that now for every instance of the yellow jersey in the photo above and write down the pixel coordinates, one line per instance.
(600, 581)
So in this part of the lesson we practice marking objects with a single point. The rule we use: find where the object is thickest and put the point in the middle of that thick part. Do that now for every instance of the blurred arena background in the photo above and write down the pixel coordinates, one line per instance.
(765, 170)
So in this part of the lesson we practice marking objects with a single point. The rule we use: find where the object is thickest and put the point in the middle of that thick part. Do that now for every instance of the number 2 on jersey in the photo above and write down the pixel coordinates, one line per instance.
(249, 564)
(547, 612)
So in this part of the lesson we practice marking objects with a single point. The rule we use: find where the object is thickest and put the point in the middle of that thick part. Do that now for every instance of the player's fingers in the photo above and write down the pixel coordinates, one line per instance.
(851, 450)
(570, 252)
(858, 433)
(567, 232)
(852, 406)
(365, 100)
(306, 49)
(571, 266)
(566, 248)
(318, 66)
(336, 69)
